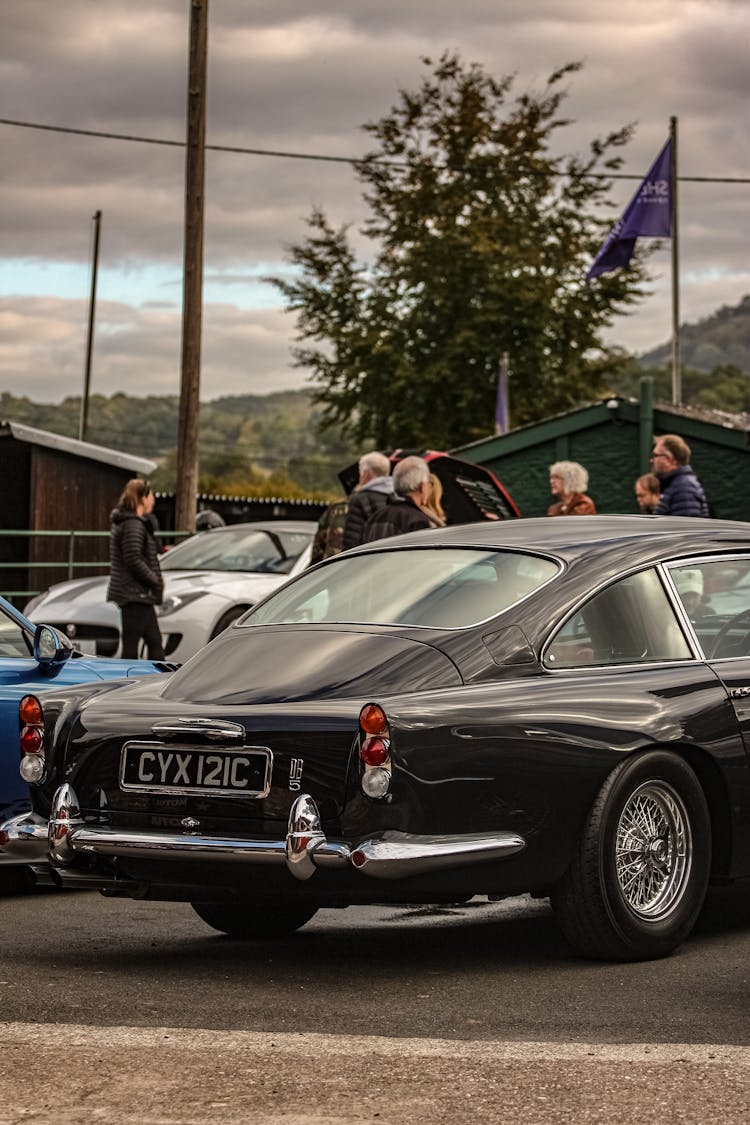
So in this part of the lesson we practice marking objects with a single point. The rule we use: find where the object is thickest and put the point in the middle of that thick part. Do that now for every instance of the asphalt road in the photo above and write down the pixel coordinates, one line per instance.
(123, 1011)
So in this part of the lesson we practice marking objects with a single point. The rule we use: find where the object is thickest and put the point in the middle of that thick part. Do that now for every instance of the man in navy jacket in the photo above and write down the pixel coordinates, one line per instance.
(681, 492)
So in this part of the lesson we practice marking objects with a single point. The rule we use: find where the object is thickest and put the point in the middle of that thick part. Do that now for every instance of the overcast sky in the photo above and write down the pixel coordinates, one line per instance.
(303, 77)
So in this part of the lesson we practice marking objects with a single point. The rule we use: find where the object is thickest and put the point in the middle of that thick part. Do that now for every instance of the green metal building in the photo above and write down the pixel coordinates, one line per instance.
(613, 440)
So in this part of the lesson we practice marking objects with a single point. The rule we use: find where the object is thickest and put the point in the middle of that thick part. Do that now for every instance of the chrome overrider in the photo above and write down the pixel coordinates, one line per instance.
(304, 849)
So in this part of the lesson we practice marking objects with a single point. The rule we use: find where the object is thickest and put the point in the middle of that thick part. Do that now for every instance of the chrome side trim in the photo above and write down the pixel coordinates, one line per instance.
(304, 849)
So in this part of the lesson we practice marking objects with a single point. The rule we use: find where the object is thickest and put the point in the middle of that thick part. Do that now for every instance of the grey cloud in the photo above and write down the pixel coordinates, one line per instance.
(286, 76)
(138, 349)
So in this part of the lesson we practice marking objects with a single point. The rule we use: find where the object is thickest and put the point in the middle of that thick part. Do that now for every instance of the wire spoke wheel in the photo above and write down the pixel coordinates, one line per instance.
(653, 850)
(637, 877)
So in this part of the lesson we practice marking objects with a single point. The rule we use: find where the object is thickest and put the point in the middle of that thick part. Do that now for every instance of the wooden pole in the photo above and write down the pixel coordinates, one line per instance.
(192, 290)
(84, 420)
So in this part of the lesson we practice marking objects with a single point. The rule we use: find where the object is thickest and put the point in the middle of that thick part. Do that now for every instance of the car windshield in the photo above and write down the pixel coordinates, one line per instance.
(442, 588)
(14, 641)
(239, 548)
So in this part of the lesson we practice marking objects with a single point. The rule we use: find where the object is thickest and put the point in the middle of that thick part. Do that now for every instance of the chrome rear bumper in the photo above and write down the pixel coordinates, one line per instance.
(304, 849)
(23, 839)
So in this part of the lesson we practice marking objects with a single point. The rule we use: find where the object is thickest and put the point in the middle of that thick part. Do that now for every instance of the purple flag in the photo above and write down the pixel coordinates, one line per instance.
(648, 214)
(502, 415)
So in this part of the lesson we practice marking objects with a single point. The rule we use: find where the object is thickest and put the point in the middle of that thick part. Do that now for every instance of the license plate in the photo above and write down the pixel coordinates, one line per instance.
(159, 768)
(88, 648)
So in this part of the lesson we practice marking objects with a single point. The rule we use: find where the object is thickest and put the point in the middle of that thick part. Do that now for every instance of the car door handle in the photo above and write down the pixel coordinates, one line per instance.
(739, 692)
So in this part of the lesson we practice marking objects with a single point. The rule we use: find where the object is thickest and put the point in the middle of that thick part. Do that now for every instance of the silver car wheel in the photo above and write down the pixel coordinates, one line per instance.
(654, 848)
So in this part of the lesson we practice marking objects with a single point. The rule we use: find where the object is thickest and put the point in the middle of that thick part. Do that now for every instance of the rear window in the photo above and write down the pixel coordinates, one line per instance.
(447, 588)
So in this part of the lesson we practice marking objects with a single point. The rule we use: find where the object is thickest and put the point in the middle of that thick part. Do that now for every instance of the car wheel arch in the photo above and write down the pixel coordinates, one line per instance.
(654, 910)
(714, 787)
(227, 618)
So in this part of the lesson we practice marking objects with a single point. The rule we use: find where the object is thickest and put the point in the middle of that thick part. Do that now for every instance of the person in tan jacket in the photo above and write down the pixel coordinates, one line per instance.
(568, 482)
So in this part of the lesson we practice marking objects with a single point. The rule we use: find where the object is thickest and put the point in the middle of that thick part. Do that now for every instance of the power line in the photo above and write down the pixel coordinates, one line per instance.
(353, 160)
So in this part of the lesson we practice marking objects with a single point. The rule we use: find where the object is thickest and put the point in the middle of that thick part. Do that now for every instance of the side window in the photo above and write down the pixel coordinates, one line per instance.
(629, 622)
(716, 597)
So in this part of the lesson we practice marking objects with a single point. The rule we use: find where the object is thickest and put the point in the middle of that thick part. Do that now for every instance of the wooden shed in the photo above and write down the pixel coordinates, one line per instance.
(613, 440)
(60, 485)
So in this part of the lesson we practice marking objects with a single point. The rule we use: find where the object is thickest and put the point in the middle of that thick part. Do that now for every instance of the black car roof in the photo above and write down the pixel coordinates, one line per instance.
(640, 537)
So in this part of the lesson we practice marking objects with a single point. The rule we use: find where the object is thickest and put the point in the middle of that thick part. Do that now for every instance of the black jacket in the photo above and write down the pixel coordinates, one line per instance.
(362, 505)
(135, 575)
(395, 518)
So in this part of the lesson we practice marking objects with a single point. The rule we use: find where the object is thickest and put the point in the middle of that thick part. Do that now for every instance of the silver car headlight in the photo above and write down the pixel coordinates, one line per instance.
(178, 601)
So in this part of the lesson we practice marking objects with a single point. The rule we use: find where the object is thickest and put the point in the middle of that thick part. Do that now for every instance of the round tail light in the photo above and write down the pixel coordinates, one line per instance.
(30, 711)
(374, 751)
(31, 740)
(372, 719)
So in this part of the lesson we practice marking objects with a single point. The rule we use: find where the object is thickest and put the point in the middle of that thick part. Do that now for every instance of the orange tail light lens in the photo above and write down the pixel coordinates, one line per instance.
(30, 711)
(372, 719)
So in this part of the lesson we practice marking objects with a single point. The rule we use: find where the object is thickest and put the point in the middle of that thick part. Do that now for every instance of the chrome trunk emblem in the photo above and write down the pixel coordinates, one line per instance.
(295, 774)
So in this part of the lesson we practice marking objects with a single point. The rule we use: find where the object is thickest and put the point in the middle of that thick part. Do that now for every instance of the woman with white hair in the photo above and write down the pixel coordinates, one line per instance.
(568, 481)
(405, 511)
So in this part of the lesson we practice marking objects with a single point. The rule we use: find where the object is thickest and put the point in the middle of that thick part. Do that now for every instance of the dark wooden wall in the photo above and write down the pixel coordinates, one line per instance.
(46, 489)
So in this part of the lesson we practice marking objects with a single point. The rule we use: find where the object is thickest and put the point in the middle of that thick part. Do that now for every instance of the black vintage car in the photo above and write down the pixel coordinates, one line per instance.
(557, 706)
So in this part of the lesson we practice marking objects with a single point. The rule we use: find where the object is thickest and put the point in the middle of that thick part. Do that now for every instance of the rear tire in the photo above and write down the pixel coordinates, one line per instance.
(255, 921)
(638, 878)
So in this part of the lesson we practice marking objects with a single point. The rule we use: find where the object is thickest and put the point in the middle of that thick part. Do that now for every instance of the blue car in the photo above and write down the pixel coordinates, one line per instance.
(33, 657)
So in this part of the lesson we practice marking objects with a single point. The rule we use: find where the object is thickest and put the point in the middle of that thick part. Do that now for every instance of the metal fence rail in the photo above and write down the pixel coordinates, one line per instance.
(67, 565)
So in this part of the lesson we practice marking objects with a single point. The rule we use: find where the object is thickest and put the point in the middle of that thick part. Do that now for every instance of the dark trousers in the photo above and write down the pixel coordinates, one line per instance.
(139, 621)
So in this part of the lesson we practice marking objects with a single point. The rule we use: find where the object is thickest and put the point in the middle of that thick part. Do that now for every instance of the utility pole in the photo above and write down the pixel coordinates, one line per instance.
(192, 285)
(84, 420)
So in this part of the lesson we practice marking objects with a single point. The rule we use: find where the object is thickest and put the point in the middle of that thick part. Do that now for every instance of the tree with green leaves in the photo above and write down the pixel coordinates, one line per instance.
(481, 239)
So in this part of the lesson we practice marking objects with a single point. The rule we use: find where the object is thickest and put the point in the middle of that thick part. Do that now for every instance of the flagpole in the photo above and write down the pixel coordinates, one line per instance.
(502, 409)
(676, 365)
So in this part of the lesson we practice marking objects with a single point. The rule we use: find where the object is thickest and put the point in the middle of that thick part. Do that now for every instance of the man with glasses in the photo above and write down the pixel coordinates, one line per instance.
(681, 492)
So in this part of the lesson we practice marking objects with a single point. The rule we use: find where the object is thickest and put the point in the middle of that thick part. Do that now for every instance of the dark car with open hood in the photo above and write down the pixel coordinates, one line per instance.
(559, 707)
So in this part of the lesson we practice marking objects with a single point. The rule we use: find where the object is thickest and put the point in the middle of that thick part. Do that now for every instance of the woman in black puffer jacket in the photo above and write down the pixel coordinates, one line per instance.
(136, 584)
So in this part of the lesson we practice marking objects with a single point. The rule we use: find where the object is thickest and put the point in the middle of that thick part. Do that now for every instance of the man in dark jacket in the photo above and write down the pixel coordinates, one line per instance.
(681, 492)
(135, 582)
(411, 487)
(374, 490)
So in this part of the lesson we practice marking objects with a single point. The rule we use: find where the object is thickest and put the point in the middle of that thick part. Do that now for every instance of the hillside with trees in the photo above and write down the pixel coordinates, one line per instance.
(276, 445)
(255, 445)
(717, 341)
(715, 363)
